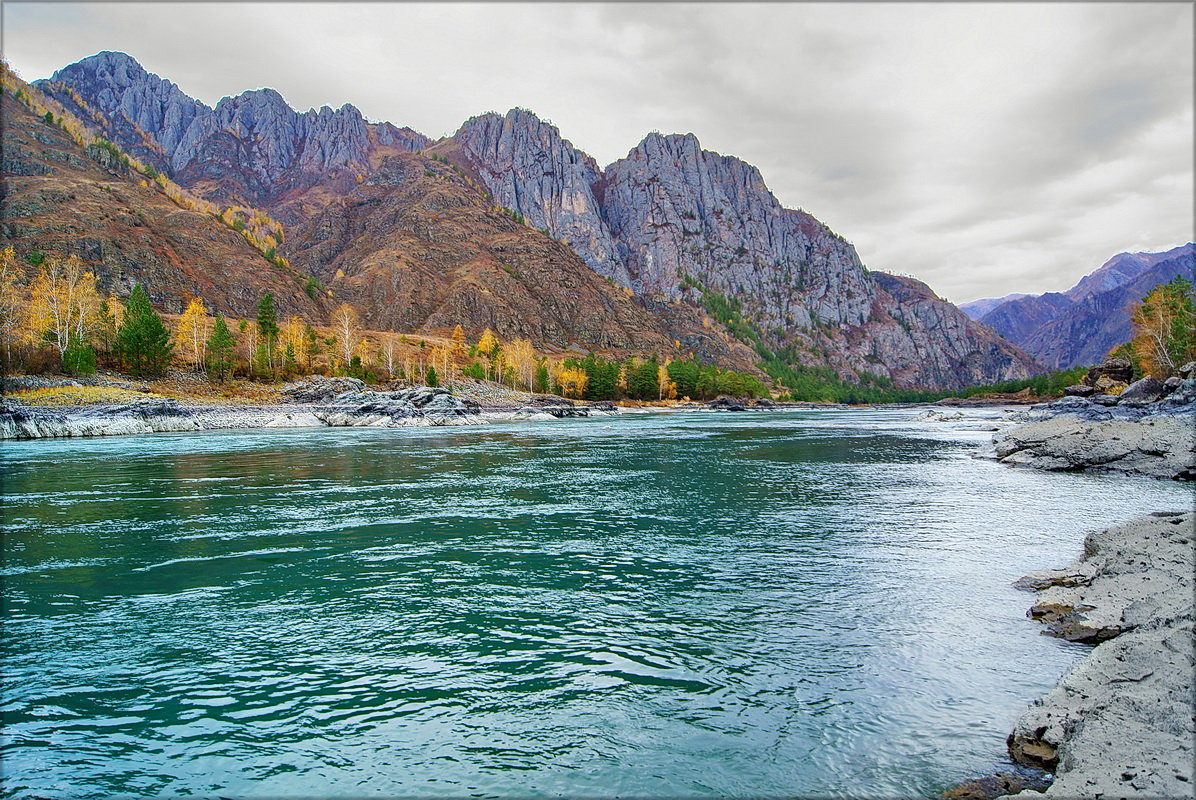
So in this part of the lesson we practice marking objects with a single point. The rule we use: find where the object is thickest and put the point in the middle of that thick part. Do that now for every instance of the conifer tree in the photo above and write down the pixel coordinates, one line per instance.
(311, 344)
(143, 340)
(267, 326)
(221, 347)
(289, 365)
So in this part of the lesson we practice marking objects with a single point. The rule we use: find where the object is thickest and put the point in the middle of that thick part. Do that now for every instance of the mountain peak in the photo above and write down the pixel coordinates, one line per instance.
(108, 63)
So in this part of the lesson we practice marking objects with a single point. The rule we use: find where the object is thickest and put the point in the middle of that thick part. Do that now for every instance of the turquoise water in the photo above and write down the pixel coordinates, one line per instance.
(804, 604)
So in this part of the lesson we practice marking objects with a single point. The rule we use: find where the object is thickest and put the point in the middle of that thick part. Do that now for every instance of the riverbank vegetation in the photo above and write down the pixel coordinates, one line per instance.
(59, 321)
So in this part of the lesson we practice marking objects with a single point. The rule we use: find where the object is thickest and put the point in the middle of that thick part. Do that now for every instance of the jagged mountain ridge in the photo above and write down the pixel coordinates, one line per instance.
(250, 149)
(1079, 326)
(676, 224)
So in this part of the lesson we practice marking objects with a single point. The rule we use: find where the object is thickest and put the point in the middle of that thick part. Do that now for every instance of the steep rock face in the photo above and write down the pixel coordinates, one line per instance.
(935, 341)
(147, 116)
(529, 168)
(675, 222)
(1079, 326)
(64, 198)
(678, 211)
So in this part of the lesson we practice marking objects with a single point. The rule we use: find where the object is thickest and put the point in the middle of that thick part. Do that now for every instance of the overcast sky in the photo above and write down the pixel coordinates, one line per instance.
(984, 148)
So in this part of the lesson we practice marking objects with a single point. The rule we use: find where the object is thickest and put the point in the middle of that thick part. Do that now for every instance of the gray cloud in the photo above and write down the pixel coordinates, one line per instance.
(985, 148)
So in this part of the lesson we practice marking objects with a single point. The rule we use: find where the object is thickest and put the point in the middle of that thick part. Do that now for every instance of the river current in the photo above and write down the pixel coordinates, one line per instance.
(797, 603)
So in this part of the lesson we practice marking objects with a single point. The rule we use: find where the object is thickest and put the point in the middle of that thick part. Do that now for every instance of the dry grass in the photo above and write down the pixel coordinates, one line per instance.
(78, 396)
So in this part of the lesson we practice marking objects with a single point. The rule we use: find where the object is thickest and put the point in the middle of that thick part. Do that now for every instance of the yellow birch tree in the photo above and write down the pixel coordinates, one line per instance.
(346, 329)
(195, 326)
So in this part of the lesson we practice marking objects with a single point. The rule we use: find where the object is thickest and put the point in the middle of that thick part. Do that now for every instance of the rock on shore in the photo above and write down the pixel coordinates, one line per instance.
(312, 402)
(1149, 428)
(1158, 445)
(1120, 723)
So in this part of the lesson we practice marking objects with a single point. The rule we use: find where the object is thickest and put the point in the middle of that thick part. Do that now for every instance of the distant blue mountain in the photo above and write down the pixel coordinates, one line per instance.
(1079, 326)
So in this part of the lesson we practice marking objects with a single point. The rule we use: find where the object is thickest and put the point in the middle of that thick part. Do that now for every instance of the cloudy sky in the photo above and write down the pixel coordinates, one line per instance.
(985, 148)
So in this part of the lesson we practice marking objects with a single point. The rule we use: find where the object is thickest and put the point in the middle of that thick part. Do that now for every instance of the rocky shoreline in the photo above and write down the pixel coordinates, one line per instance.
(1147, 429)
(312, 402)
(1120, 723)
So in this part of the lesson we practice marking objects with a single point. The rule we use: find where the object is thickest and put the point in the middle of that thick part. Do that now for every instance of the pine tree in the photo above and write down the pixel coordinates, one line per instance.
(311, 344)
(221, 346)
(431, 377)
(289, 365)
(143, 341)
(267, 326)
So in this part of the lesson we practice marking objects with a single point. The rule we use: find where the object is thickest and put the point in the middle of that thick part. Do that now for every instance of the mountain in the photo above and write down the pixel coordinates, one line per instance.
(677, 223)
(1079, 326)
(252, 149)
(418, 246)
(59, 195)
(677, 243)
(978, 308)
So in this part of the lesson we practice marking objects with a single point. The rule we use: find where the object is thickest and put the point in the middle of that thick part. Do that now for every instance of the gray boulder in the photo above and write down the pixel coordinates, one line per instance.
(1079, 390)
(1145, 389)
(1159, 445)
(320, 389)
(1119, 724)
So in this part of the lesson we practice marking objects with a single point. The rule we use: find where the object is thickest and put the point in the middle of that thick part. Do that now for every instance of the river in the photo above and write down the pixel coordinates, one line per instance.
(798, 603)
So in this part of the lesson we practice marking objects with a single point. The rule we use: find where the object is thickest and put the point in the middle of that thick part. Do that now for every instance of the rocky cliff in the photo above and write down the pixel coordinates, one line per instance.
(418, 246)
(1080, 326)
(672, 221)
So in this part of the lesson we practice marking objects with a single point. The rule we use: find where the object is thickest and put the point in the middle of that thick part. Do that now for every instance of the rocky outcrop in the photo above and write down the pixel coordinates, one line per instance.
(1147, 428)
(320, 388)
(147, 116)
(151, 415)
(1081, 325)
(316, 402)
(530, 169)
(1120, 723)
(418, 406)
(1159, 446)
(415, 246)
